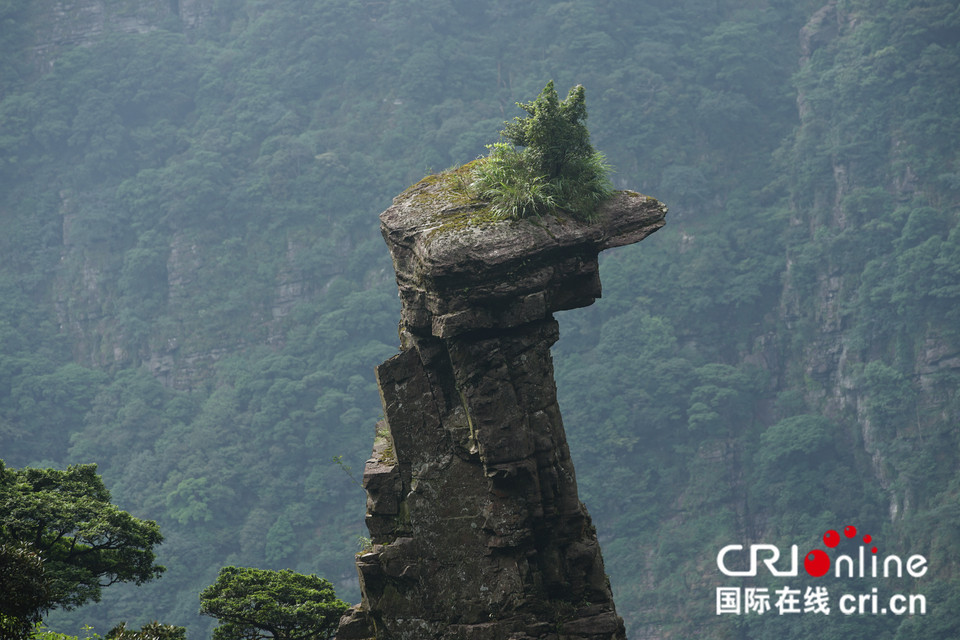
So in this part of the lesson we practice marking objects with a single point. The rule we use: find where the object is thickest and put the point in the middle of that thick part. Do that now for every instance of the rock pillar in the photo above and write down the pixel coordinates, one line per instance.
(472, 506)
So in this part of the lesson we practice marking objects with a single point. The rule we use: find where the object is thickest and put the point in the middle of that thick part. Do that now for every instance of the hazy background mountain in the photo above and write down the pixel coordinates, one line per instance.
(194, 292)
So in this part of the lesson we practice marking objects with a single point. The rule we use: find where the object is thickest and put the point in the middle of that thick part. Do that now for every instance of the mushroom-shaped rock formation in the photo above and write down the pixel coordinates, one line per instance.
(472, 505)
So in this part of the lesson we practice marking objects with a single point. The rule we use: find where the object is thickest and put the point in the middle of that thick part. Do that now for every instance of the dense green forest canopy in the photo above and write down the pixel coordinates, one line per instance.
(193, 290)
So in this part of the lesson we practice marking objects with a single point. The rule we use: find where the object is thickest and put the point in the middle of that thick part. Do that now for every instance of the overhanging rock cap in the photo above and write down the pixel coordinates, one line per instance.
(458, 270)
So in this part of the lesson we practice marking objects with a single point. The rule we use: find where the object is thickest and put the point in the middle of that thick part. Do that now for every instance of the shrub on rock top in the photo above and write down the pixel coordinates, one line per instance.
(556, 170)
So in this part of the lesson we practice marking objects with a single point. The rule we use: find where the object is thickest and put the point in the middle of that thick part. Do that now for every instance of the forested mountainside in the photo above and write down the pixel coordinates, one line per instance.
(194, 292)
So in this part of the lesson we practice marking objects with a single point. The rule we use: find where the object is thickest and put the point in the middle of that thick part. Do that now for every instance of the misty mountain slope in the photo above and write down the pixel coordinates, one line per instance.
(193, 290)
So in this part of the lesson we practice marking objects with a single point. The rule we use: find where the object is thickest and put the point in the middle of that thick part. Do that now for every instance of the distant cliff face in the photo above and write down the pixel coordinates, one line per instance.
(472, 506)
(834, 356)
(61, 24)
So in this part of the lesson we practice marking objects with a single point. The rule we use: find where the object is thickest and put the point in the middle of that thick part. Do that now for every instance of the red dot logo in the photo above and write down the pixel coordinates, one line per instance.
(816, 563)
(831, 538)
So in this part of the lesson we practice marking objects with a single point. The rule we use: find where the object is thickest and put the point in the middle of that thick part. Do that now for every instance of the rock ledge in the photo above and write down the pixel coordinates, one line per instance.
(456, 274)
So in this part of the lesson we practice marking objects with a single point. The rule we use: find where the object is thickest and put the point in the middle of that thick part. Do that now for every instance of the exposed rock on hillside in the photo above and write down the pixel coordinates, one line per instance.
(66, 24)
(472, 503)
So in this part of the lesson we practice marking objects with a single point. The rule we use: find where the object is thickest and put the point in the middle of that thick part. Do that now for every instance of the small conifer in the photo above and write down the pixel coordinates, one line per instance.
(557, 169)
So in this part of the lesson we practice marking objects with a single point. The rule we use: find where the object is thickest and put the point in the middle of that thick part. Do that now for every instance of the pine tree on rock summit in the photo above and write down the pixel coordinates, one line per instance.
(557, 170)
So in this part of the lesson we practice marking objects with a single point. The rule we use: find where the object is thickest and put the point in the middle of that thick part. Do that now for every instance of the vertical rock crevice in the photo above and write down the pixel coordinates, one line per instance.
(476, 526)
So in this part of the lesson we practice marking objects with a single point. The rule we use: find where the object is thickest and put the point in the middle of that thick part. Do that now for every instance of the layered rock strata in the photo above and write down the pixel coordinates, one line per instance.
(472, 507)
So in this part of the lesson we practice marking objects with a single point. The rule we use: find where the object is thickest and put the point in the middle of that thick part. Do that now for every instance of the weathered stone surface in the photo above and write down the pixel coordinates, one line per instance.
(457, 277)
(478, 532)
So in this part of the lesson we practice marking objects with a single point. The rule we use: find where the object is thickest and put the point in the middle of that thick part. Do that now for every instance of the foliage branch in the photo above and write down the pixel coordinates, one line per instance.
(62, 541)
(24, 590)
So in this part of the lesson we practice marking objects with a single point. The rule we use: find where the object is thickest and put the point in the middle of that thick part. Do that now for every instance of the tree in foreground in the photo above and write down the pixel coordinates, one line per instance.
(62, 541)
(557, 169)
(257, 604)
(24, 590)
